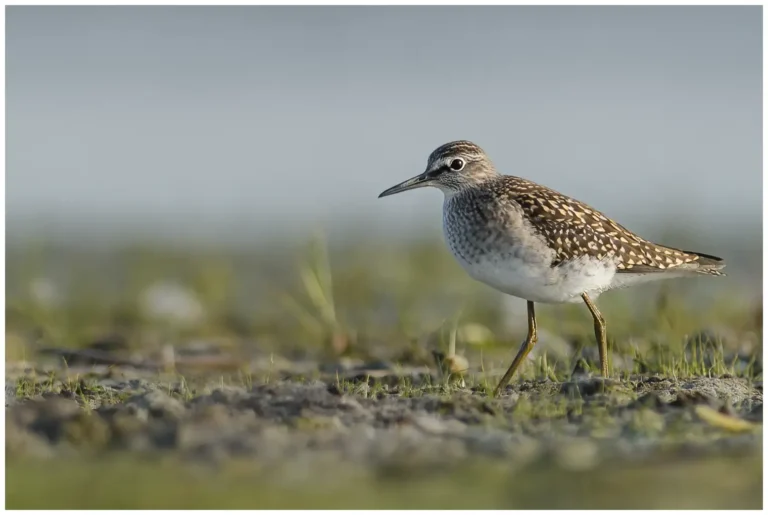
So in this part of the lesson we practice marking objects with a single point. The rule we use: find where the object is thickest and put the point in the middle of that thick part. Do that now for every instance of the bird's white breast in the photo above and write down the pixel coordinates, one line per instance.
(542, 283)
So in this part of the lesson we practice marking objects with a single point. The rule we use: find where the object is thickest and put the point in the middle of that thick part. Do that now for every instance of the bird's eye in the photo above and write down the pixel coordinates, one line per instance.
(457, 164)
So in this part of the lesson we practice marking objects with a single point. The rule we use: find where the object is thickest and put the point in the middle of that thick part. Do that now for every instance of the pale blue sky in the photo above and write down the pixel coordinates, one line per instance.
(177, 118)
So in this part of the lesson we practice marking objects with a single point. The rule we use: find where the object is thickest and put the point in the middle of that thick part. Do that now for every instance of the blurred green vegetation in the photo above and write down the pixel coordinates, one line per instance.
(370, 300)
(163, 483)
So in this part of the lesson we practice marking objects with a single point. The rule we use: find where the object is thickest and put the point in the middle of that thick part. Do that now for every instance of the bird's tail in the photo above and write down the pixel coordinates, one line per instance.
(706, 264)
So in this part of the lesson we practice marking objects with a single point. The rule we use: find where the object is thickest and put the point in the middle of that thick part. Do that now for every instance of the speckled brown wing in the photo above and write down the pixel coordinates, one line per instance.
(575, 229)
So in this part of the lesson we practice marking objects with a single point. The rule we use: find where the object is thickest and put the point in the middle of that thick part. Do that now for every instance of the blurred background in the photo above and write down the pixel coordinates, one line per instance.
(203, 163)
(193, 235)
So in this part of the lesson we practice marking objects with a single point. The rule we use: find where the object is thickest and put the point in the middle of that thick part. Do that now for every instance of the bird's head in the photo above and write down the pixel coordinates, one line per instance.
(452, 168)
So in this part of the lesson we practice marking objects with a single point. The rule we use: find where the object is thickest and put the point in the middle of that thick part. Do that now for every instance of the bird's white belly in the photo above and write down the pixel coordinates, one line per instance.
(541, 282)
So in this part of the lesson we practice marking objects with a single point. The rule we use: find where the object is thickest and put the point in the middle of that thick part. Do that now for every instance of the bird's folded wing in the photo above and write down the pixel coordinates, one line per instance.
(574, 229)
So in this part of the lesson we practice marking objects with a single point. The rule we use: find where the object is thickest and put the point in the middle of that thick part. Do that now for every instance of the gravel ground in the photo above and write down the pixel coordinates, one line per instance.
(579, 423)
(388, 424)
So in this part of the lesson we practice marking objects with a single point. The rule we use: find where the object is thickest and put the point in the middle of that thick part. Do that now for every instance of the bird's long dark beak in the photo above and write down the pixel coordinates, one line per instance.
(419, 181)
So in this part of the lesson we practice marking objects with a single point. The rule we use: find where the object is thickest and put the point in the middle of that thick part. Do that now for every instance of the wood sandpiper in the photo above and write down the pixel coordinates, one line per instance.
(532, 242)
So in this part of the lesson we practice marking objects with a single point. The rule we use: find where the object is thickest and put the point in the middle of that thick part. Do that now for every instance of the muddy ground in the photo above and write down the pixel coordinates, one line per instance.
(303, 433)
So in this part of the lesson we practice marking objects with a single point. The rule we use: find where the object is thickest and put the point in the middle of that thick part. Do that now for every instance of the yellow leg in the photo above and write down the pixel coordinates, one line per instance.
(602, 343)
(530, 341)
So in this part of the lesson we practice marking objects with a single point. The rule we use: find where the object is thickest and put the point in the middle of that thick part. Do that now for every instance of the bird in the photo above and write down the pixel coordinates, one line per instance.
(532, 242)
